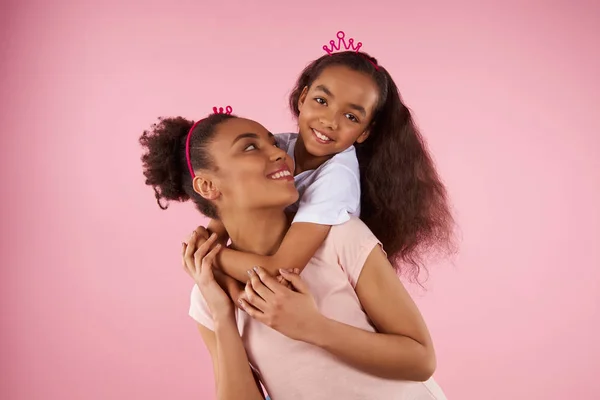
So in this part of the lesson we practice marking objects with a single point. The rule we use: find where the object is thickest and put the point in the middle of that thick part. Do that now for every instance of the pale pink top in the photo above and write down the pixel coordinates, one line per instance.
(292, 369)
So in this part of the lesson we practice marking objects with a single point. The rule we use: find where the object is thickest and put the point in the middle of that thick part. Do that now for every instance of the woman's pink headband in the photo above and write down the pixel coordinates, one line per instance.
(188, 155)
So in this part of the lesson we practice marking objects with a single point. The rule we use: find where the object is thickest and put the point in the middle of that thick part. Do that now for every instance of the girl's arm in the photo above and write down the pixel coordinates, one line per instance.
(401, 349)
(233, 376)
(334, 193)
(216, 226)
(300, 243)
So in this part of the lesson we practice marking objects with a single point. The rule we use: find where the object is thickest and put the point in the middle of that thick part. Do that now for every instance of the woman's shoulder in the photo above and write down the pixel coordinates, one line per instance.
(352, 242)
(351, 233)
(199, 310)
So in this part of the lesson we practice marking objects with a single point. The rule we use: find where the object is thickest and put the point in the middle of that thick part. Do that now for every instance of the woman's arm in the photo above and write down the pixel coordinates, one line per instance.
(233, 376)
(403, 350)
(300, 243)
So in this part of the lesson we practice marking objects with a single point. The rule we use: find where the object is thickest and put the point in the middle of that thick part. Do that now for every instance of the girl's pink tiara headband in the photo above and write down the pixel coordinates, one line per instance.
(334, 48)
(188, 156)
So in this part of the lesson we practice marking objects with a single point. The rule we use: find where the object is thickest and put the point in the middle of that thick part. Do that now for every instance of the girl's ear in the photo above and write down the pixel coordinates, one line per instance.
(363, 136)
(302, 97)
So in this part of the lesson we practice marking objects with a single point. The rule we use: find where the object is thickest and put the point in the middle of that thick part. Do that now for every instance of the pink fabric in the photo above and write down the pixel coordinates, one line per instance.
(291, 369)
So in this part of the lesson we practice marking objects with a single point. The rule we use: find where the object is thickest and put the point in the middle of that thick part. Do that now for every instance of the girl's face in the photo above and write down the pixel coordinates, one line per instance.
(336, 110)
(250, 171)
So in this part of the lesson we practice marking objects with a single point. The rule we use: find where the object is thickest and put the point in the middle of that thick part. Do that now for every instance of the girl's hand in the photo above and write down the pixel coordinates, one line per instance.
(293, 313)
(198, 262)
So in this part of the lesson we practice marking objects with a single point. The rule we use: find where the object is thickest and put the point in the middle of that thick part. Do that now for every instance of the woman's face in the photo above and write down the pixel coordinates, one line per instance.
(336, 110)
(250, 171)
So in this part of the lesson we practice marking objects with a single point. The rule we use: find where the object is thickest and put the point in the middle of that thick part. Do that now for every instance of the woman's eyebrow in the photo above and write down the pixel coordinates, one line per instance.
(243, 136)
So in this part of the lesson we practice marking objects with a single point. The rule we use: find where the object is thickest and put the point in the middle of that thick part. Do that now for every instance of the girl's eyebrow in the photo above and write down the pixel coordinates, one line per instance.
(325, 90)
(355, 107)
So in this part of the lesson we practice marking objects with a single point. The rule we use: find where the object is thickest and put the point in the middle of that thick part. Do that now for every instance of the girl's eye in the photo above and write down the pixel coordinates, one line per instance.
(351, 117)
(320, 100)
(250, 147)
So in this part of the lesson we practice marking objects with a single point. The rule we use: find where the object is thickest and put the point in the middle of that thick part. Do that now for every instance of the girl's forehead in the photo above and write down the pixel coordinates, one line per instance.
(340, 81)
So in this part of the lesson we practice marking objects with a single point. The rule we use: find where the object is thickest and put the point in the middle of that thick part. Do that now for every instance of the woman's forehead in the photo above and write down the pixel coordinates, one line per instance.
(229, 132)
(236, 126)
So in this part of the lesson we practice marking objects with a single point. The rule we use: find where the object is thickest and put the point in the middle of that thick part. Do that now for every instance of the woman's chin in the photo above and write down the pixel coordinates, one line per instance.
(290, 198)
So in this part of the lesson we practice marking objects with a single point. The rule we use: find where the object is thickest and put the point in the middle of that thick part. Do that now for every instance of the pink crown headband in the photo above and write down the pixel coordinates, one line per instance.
(188, 156)
(341, 36)
(342, 39)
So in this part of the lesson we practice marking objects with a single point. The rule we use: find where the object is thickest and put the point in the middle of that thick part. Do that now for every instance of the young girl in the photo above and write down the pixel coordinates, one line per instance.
(357, 153)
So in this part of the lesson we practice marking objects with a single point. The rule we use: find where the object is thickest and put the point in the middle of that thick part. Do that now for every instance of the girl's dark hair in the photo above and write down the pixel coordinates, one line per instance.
(403, 200)
(165, 164)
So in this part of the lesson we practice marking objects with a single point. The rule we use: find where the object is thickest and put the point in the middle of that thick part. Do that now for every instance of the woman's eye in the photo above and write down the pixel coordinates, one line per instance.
(250, 147)
(351, 117)
(320, 100)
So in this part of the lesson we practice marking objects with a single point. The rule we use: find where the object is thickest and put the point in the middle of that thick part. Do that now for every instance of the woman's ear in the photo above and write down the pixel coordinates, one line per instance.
(302, 97)
(205, 187)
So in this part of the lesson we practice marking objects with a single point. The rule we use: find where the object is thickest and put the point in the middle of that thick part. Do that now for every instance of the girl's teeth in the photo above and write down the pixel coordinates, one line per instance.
(320, 135)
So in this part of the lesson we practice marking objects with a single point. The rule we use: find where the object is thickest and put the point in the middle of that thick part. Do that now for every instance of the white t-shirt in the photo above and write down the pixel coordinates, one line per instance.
(330, 194)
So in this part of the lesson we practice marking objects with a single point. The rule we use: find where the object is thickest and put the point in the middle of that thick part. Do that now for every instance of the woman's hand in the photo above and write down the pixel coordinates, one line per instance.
(293, 313)
(232, 288)
(198, 262)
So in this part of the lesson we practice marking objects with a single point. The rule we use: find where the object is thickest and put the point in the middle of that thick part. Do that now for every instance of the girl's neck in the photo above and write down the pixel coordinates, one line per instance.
(304, 160)
(258, 232)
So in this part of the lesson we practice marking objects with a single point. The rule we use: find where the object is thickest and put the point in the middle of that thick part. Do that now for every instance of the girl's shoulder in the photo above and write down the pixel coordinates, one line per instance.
(346, 158)
(285, 140)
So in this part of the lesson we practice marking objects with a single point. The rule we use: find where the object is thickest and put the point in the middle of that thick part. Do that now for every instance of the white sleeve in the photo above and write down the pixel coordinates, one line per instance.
(331, 198)
(283, 140)
(199, 310)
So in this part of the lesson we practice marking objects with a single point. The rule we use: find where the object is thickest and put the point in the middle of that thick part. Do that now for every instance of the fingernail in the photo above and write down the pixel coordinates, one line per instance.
(214, 235)
(283, 271)
(256, 269)
(249, 272)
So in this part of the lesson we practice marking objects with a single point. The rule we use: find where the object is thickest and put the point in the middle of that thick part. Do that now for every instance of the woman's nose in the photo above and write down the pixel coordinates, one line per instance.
(278, 154)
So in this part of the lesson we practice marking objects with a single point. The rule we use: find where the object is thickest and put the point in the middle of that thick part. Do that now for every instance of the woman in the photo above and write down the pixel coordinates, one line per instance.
(348, 329)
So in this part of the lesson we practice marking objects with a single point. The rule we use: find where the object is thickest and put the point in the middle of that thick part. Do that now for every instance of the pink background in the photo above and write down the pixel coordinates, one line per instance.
(94, 301)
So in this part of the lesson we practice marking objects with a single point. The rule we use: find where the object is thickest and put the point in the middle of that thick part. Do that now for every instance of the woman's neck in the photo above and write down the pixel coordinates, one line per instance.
(304, 160)
(257, 232)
